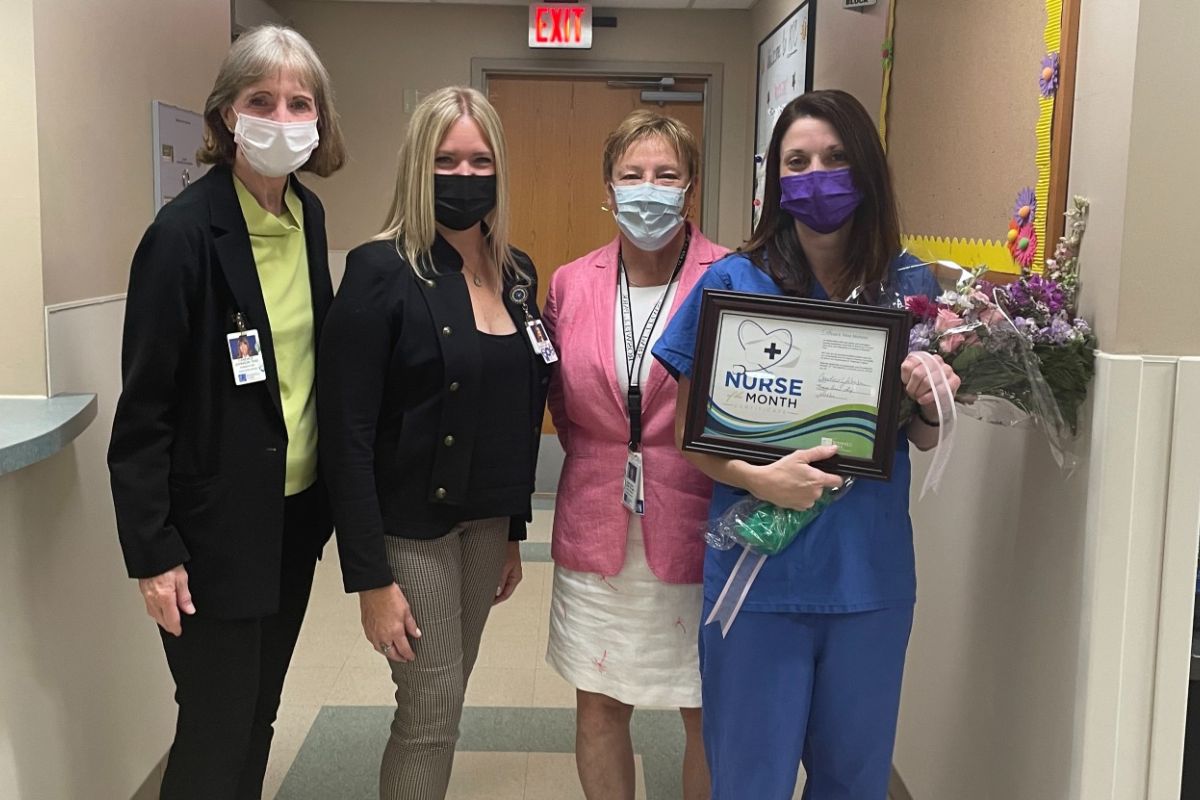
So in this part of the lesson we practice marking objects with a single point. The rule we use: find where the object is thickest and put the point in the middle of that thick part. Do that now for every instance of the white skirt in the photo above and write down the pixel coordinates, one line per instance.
(630, 636)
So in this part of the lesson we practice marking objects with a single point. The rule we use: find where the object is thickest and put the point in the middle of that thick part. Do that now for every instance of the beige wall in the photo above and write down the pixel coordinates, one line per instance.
(23, 367)
(848, 46)
(1047, 602)
(85, 697)
(377, 50)
(1159, 288)
(98, 67)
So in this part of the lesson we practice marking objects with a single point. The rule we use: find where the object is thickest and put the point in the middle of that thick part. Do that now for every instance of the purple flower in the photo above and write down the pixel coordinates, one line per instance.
(1026, 327)
(1035, 294)
(1060, 331)
(1048, 78)
(1025, 209)
(920, 337)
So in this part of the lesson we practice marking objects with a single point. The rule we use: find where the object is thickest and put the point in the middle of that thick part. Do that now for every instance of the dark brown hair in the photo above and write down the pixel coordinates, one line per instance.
(874, 239)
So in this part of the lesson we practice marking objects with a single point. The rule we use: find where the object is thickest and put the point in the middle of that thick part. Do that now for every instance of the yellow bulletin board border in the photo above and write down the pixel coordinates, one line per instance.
(964, 252)
(994, 255)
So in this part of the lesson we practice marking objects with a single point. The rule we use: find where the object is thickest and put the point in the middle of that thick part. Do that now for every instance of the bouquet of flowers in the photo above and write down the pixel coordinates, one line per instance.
(1021, 351)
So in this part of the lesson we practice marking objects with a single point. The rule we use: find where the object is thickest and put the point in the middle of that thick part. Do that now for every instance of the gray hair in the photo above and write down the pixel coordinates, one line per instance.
(258, 53)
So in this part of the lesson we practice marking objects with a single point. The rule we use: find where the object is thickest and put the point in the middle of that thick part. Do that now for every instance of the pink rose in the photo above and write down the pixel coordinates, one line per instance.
(950, 344)
(991, 316)
(946, 320)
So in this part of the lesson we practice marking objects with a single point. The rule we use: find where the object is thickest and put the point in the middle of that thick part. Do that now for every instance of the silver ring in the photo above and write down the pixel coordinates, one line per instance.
(384, 647)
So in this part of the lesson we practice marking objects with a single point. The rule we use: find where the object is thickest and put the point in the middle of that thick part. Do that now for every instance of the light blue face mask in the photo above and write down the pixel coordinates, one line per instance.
(649, 215)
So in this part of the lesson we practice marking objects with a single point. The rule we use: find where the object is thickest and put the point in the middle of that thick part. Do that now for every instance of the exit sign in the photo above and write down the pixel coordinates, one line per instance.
(560, 25)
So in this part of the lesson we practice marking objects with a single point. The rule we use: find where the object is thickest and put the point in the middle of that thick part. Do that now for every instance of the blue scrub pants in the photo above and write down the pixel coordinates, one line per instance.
(819, 688)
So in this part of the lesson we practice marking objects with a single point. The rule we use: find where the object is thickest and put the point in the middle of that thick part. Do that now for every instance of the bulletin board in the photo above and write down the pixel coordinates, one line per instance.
(177, 135)
(784, 73)
(968, 122)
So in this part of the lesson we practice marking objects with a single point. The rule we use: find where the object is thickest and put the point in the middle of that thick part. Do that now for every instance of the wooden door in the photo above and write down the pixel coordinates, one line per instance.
(555, 127)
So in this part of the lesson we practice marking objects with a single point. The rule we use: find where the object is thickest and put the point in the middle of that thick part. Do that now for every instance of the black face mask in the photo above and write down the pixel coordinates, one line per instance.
(463, 200)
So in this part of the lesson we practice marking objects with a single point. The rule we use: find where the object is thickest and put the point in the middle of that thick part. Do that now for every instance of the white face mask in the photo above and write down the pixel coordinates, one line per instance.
(275, 148)
(649, 215)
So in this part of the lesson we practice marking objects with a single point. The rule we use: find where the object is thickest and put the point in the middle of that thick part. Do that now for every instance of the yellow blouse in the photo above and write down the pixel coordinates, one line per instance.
(282, 259)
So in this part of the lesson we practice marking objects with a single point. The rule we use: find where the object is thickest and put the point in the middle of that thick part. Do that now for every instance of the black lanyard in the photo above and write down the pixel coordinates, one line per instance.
(635, 354)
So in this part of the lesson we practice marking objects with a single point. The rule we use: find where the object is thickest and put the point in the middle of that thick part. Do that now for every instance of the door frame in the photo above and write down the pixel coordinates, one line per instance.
(712, 73)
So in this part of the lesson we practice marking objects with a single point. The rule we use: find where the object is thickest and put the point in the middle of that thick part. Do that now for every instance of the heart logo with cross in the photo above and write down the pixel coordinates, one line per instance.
(763, 349)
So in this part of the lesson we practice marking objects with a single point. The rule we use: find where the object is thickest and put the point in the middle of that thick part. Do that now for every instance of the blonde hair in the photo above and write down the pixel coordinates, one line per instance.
(258, 53)
(411, 220)
(642, 124)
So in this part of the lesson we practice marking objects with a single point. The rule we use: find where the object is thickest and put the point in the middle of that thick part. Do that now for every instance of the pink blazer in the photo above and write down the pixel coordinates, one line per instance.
(588, 407)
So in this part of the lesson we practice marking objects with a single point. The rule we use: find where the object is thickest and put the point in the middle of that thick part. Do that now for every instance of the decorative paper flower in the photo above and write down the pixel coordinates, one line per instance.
(1048, 79)
(1025, 245)
(1025, 209)
(1014, 233)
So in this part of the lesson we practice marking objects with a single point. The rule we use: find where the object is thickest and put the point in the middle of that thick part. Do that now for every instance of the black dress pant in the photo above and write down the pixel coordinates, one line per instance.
(229, 677)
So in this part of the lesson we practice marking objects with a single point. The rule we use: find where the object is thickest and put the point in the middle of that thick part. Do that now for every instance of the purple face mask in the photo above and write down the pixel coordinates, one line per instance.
(823, 200)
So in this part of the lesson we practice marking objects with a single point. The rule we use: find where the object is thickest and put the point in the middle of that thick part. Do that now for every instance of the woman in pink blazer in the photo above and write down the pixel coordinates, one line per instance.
(629, 518)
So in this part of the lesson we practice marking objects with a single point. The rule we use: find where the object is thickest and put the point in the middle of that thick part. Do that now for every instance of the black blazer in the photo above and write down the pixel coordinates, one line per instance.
(398, 397)
(197, 463)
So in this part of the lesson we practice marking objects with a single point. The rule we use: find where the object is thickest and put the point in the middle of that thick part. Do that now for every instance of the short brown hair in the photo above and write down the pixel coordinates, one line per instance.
(257, 53)
(644, 123)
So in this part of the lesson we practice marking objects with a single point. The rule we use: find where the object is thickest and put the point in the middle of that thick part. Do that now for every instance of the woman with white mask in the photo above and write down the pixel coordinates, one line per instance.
(630, 511)
(221, 507)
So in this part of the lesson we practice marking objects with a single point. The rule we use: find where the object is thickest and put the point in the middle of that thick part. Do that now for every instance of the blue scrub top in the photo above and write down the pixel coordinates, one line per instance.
(856, 556)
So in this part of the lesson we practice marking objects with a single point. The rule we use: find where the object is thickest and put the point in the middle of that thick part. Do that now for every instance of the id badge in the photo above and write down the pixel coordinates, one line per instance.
(633, 495)
(247, 360)
(541, 340)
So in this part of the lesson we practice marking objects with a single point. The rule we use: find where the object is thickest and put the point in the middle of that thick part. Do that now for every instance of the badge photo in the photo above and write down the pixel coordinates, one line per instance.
(245, 357)
(540, 340)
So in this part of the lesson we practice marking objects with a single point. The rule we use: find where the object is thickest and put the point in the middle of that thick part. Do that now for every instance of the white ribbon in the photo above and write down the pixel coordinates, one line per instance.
(943, 399)
(726, 609)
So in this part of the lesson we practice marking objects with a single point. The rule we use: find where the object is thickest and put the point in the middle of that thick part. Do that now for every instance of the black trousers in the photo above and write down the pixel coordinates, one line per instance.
(229, 677)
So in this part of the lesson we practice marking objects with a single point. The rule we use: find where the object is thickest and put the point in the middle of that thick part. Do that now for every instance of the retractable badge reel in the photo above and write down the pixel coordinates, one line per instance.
(534, 329)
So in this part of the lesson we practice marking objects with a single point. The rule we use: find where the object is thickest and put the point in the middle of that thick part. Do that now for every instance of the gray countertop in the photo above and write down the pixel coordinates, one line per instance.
(34, 428)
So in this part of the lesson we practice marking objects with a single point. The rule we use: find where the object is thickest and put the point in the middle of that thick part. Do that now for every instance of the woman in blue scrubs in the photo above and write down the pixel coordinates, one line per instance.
(811, 669)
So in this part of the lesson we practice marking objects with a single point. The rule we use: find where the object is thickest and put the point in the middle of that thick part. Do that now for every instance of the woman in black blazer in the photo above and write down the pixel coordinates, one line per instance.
(220, 507)
(431, 391)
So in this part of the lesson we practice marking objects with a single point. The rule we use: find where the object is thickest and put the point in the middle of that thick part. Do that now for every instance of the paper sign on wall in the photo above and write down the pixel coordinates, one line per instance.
(177, 135)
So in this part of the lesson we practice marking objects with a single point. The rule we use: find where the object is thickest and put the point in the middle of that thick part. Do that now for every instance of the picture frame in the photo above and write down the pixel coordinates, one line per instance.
(774, 374)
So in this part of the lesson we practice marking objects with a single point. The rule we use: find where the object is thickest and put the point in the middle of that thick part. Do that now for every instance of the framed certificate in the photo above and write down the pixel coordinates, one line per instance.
(777, 374)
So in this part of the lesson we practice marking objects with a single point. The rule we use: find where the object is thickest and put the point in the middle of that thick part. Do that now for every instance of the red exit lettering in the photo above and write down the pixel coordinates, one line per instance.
(556, 25)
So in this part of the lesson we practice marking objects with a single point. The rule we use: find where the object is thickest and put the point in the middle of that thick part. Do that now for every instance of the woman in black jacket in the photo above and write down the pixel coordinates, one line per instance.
(432, 389)
(220, 506)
